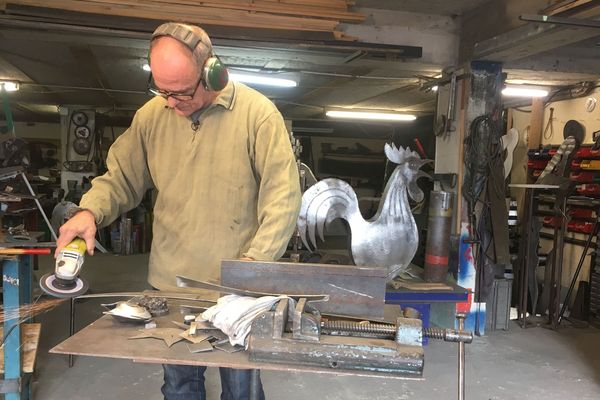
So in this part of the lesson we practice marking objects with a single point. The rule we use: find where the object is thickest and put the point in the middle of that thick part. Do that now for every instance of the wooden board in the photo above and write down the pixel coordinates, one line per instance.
(108, 338)
(564, 6)
(293, 16)
(30, 338)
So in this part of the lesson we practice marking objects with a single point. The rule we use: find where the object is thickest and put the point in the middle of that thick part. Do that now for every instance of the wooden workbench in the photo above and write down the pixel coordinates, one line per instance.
(109, 338)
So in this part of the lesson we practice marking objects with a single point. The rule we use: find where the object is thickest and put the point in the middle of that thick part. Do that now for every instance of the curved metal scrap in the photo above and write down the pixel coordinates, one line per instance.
(390, 238)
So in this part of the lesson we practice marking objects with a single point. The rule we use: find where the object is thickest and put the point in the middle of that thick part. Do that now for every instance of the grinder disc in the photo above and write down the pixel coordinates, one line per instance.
(54, 287)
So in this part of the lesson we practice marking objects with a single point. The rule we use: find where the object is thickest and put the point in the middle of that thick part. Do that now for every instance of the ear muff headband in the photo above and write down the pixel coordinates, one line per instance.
(214, 74)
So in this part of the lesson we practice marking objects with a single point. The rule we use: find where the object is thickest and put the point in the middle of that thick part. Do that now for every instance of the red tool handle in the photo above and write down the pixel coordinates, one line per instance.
(420, 148)
(24, 251)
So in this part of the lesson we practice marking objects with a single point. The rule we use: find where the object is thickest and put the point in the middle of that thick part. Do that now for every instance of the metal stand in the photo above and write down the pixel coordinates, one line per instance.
(523, 273)
(557, 263)
(461, 359)
(529, 234)
(579, 266)
(254, 384)
(71, 327)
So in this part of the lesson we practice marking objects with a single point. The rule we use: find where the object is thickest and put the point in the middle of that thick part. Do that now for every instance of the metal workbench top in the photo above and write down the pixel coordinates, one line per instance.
(109, 338)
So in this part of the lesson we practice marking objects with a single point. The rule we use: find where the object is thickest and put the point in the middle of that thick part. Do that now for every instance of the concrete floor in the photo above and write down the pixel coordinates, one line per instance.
(533, 364)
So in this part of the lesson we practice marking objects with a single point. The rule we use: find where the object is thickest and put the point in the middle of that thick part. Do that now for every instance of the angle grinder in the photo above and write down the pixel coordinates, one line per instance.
(65, 281)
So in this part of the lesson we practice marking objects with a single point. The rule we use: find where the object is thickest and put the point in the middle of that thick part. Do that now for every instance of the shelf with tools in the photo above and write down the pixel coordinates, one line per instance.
(581, 203)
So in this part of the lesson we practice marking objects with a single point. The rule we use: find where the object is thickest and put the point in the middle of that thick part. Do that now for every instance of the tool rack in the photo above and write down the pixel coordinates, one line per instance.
(578, 213)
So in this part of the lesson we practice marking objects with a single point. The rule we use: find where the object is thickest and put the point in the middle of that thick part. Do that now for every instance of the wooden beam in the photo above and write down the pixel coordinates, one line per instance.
(191, 14)
(323, 11)
(564, 6)
(536, 124)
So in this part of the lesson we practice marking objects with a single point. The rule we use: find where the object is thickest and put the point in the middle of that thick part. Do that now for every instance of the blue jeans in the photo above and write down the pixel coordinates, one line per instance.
(186, 382)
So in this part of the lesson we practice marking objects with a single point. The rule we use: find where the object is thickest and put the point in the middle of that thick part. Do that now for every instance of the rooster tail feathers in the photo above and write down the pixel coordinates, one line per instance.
(323, 202)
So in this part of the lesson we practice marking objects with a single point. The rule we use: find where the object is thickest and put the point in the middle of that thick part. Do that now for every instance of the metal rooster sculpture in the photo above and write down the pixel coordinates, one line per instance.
(390, 238)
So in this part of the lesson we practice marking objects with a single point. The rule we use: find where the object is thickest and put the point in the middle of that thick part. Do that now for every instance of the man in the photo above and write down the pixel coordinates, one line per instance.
(225, 174)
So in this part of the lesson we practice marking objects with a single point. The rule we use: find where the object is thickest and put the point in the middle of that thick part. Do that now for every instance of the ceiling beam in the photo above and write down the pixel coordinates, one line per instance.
(88, 61)
(9, 71)
(491, 19)
(530, 39)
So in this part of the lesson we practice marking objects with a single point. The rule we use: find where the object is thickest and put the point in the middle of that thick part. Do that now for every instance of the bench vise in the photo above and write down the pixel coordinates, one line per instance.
(296, 333)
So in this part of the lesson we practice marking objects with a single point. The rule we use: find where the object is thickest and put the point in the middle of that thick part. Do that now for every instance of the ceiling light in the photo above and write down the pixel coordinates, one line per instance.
(146, 67)
(376, 116)
(434, 88)
(262, 80)
(514, 91)
(9, 86)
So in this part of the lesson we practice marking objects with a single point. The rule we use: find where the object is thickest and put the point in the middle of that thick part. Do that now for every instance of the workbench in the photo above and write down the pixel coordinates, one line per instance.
(436, 302)
(109, 338)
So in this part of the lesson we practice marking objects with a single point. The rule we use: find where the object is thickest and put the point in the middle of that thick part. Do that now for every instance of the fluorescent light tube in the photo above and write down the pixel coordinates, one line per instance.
(375, 116)
(9, 86)
(262, 80)
(513, 91)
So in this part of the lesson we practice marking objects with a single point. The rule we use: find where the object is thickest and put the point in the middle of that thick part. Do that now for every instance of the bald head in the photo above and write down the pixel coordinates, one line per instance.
(173, 61)
(192, 37)
(177, 55)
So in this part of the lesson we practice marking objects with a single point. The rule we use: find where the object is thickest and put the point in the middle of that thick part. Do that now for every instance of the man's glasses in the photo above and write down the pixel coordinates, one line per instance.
(166, 94)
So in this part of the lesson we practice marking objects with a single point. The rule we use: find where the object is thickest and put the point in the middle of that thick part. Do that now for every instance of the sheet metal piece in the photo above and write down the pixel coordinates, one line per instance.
(191, 283)
(201, 347)
(149, 293)
(353, 291)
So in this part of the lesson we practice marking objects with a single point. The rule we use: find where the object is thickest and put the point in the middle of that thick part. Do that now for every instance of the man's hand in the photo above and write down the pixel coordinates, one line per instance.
(246, 259)
(82, 224)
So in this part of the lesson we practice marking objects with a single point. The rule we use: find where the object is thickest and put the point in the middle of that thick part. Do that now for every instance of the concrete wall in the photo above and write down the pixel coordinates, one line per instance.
(437, 34)
(37, 130)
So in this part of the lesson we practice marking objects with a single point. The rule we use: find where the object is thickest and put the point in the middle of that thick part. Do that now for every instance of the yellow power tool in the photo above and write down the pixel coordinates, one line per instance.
(65, 282)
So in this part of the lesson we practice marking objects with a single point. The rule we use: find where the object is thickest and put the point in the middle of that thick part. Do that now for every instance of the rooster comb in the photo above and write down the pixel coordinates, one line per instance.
(400, 155)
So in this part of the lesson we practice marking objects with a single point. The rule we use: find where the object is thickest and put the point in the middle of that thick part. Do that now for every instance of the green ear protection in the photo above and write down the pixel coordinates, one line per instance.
(214, 74)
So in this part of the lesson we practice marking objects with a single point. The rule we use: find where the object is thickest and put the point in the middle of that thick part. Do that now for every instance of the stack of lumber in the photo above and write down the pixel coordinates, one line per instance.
(287, 15)
(567, 6)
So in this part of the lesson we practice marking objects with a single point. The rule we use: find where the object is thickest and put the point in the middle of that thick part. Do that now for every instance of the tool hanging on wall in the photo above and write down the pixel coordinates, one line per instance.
(445, 122)
(82, 143)
(549, 129)
(81, 127)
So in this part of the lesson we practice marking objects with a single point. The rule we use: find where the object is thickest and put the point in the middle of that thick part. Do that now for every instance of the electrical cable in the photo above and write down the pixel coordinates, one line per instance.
(550, 125)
